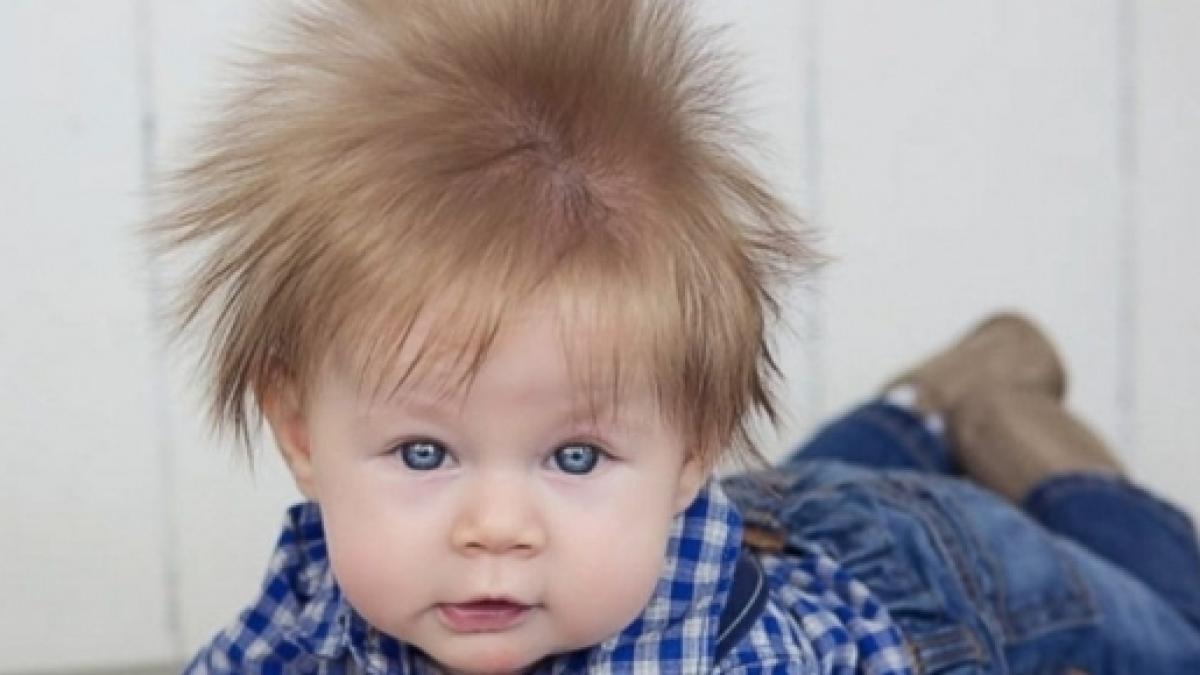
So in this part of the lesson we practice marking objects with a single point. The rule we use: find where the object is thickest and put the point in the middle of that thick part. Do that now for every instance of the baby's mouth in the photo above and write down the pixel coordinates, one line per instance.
(486, 615)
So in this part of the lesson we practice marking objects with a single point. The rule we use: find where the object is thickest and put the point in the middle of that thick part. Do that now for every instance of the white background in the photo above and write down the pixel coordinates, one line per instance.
(960, 156)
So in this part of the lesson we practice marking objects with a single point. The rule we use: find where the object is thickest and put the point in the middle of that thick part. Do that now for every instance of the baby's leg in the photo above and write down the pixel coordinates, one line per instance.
(999, 391)
(1030, 449)
(903, 428)
(1048, 598)
(881, 435)
(1039, 456)
(1128, 526)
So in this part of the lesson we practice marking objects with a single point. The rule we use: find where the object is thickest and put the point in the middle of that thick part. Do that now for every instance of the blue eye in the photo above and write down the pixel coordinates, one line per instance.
(577, 459)
(422, 455)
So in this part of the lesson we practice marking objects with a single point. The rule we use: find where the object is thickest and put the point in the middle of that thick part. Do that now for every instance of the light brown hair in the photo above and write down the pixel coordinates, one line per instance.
(382, 157)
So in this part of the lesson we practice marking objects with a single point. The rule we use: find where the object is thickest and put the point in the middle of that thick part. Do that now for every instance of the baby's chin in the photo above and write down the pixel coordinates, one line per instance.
(485, 654)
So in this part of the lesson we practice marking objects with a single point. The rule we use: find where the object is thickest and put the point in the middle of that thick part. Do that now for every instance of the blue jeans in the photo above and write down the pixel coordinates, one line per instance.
(1092, 573)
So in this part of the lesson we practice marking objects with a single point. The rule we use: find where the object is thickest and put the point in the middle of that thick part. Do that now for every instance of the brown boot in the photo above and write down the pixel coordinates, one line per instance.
(1010, 440)
(1006, 350)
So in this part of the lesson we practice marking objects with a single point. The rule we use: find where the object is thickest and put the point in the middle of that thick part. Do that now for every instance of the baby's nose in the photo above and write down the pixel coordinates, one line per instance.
(499, 517)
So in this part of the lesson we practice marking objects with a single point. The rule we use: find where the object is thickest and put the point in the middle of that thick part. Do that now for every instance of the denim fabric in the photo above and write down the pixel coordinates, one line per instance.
(1129, 527)
(977, 585)
(881, 436)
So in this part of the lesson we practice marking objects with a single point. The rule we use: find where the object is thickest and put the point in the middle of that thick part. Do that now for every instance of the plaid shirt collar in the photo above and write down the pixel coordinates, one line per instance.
(303, 624)
(302, 617)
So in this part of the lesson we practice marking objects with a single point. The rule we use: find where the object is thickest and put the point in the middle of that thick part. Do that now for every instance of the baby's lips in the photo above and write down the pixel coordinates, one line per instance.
(484, 615)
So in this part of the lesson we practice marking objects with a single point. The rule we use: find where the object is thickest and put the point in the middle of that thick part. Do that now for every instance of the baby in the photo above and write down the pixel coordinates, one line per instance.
(501, 282)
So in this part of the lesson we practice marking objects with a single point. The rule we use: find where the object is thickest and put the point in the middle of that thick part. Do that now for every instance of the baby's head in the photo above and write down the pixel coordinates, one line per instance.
(500, 281)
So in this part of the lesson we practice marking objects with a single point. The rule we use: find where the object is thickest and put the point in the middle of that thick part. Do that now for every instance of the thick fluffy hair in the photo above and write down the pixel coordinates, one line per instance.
(386, 160)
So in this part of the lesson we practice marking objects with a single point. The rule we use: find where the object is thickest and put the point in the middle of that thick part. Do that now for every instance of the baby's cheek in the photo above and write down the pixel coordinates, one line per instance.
(379, 578)
(622, 596)
(614, 577)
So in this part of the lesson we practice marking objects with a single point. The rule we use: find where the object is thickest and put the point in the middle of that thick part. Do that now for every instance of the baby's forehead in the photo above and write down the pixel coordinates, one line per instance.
(557, 338)
(535, 357)
(527, 378)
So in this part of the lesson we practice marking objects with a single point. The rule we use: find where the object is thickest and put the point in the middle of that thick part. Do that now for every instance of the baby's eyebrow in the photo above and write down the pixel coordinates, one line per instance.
(437, 406)
(629, 413)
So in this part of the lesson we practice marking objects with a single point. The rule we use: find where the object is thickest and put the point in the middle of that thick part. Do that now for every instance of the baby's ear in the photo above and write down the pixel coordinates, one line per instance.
(282, 407)
(692, 477)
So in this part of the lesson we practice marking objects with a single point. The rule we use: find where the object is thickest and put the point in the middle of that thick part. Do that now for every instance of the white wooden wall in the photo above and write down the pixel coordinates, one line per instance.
(961, 155)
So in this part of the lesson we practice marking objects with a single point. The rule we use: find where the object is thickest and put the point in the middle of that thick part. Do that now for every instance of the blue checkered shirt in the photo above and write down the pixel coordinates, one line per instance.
(817, 619)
